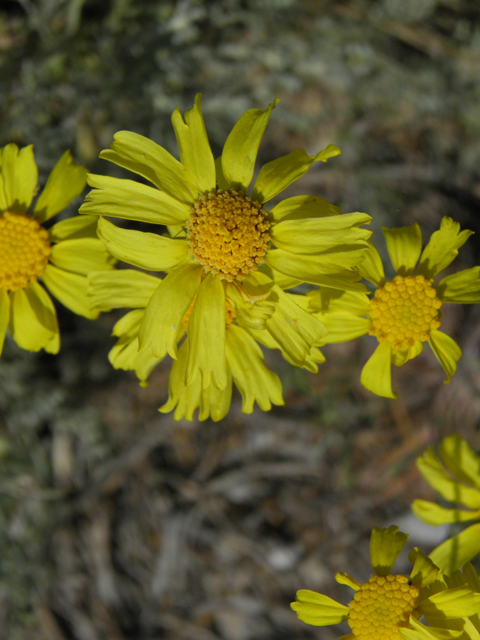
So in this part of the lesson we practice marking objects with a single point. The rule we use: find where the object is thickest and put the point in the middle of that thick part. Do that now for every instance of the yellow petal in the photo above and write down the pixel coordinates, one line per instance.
(447, 351)
(212, 402)
(424, 571)
(385, 547)
(254, 381)
(404, 245)
(377, 373)
(20, 177)
(206, 336)
(319, 610)
(457, 602)
(457, 551)
(283, 281)
(131, 200)
(70, 289)
(249, 314)
(434, 473)
(195, 153)
(167, 308)
(82, 256)
(461, 459)
(434, 514)
(4, 316)
(129, 324)
(371, 266)
(74, 228)
(241, 147)
(121, 288)
(442, 248)
(148, 159)
(300, 207)
(344, 578)
(294, 329)
(329, 270)
(66, 181)
(342, 327)
(461, 288)
(401, 356)
(33, 321)
(276, 176)
(143, 249)
(316, 235)
(328, 301)
(220, 178)
(420, 632)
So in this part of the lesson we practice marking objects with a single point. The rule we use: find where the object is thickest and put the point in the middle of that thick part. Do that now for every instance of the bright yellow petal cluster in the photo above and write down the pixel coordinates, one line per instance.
(389, 606)
(59, 257)
(225, 249)
(455, 474)
(404, 312)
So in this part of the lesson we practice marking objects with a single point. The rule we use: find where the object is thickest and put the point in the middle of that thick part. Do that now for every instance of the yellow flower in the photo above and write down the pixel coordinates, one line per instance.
(389, 606)
(456, 477)
(59, 257)
(404, 312)
(221, 241)
(467, 577)
(244, 359)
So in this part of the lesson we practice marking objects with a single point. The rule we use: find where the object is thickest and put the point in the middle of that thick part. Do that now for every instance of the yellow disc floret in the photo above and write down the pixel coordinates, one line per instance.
(405, 310)
(228, 234)
(24, 250)
(381, 606)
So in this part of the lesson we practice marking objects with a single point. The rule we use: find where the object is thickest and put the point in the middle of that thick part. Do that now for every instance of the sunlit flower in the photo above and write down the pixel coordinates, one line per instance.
(59, 257)
(389, 606)
(244, 359)
(455, 474)
(405, 311)
(223, 245)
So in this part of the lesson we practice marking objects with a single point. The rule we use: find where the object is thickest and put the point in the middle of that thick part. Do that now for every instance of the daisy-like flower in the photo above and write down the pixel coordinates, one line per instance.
(455, 474)
(224, 244)
(59, 257)
(389, 606)
(404, 312)
(244, 359)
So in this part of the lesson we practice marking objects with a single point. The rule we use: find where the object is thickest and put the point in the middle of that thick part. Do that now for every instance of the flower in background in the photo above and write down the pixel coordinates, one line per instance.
(455, 474)
(224, 247)
(404, 312)
(244, 359)
(389, 606)
(59, 257)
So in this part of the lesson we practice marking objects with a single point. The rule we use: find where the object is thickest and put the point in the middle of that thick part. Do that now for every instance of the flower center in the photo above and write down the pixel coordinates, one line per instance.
(381, 606)
(405, 311)
(24, 250)
(229, 313)
(228, 234)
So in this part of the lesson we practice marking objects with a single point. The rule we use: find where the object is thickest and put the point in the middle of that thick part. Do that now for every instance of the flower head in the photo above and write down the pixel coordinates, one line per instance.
(404, 312)
(244, 359)
(389, 606)
(455, 474)
(59, 257)
(224, 246)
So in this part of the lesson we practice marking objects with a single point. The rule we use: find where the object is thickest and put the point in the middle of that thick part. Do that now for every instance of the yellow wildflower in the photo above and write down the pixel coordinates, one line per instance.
(244, 359)
(389, 606)
(455, 474)
(405, 311)
(223, 244)
(60, 257)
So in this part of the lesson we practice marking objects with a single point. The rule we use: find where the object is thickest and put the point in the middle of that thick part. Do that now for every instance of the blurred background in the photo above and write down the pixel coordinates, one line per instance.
(116, 522)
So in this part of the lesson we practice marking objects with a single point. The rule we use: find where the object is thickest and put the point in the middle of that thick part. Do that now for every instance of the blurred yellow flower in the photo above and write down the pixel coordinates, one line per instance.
(405, 311)
(224, 245)
(455, 474)
(389, 606)
(59, 257)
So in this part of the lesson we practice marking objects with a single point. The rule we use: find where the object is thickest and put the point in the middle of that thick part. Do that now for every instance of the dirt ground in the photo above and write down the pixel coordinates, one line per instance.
(118, 523)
